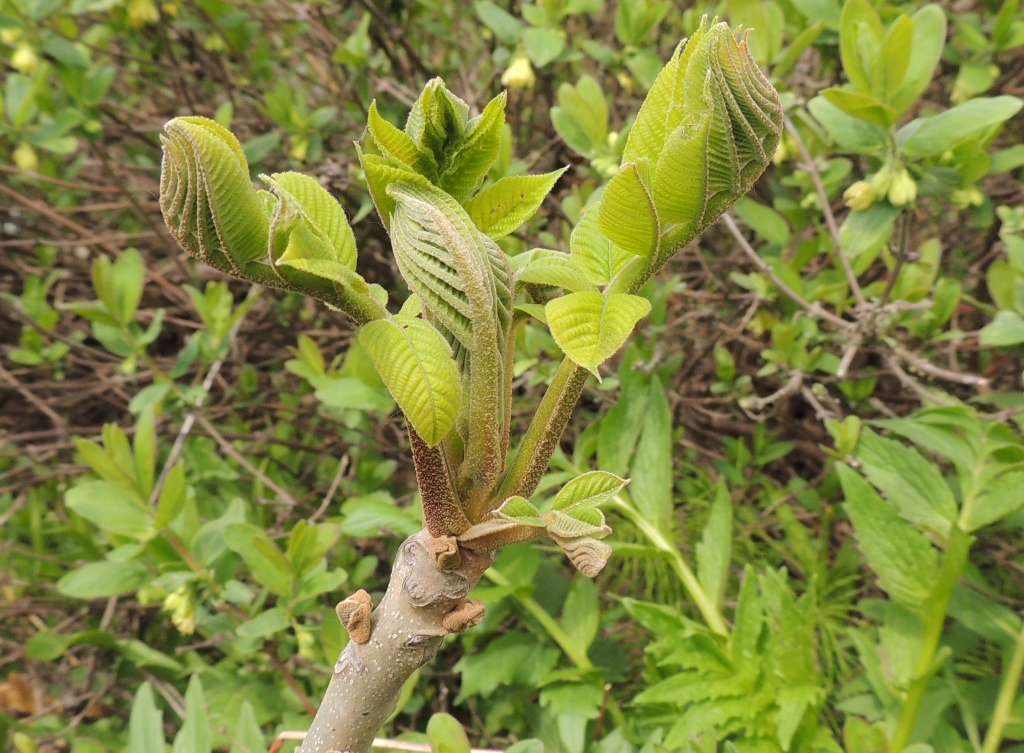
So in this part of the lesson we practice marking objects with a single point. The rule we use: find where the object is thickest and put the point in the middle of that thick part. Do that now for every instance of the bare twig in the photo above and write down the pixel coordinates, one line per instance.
(908, 381)
(37, 403)
(190, 419)
(752, 405)
(338, 476)
(826, 208)
(926, 367)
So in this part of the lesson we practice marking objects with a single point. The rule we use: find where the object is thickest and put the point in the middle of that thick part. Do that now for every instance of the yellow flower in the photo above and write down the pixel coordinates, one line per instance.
(142, 12)
(859, 196)
(25, 157)
(519, 75)
(903, 189)
(24, 58)
(881, 180)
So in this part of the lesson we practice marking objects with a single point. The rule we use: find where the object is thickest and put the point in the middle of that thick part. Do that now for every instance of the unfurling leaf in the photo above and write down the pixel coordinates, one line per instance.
(502, 207)
(628, 217)
(708, 129)
(207, 198)
(295, 237)
(415, 362)
(590, 327)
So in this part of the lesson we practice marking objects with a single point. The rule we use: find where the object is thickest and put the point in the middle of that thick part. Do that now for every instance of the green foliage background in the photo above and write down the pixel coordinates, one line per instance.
(820, 415)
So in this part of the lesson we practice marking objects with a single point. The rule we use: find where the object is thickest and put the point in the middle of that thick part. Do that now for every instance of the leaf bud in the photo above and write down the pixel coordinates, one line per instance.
(25, 157)
(24, 58)
(859, 196)
(519, 75)
(903, 189)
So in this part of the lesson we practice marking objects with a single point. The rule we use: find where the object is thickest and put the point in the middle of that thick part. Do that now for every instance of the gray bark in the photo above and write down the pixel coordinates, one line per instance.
(406, 633)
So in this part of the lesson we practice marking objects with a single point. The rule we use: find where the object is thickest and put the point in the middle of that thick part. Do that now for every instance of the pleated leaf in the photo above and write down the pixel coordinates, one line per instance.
(416, 364)
(465, 284)
(597, 257)
(577, 523)
(206, 197)
(590, 327)
(508, 203)
(542, 266)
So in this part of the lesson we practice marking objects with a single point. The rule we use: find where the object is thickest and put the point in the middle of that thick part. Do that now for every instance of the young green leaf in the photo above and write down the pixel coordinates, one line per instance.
(520, 510)
(581, 614)
(651, 470)
(590, 327)
(172, 496)
(397, 145)
(508, 203)
(308, 222)
(893, 60)
(577, 523)
(860, 38)
(110, 509)
(416, 364)
(268, 565)
(248, 737)
(99, 580)
(581, 116)
(466, 166)
(446, 735)
(207, 198)
(590, 489)
(593, 254)
(925, 50)
(926, 137)
(1003, 496)
(709, 127)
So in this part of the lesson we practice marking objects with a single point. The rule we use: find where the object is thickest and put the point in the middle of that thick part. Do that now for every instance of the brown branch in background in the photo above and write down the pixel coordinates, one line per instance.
(812, 308)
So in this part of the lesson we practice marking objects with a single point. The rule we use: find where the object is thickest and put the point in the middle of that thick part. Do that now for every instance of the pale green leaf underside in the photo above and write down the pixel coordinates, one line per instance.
(577, 523)
(415, 362)
(307, 204)
(590, 327)
(542, 266)
(505, 205)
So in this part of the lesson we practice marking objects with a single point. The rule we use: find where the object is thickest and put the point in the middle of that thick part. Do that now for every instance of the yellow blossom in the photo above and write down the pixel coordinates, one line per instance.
(859, 196)
(519, 75)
